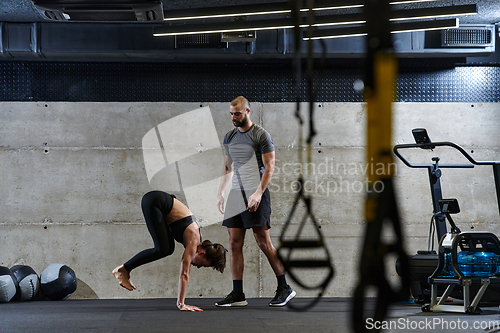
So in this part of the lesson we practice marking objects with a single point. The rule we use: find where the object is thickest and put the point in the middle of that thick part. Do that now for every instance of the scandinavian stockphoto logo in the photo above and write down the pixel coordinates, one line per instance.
(183, 155)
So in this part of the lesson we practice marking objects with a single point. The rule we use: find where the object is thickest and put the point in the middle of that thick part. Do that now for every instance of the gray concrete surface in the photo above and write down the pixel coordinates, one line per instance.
(160, 315)
(72, 176)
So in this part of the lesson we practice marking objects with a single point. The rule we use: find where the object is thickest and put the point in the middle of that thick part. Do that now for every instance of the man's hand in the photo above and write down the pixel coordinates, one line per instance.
(220, 203)
(254, 201)
(185, 307)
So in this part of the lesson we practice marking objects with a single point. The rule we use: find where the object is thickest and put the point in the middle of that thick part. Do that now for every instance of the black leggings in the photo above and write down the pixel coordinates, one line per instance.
(156, 205)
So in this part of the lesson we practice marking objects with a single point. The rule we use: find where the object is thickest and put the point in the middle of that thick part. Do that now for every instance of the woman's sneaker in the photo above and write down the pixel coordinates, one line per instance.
(233, 299)
(283, 296)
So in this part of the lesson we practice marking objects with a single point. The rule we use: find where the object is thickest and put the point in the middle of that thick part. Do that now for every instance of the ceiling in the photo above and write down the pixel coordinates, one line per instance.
(24, 11)
(135, 41)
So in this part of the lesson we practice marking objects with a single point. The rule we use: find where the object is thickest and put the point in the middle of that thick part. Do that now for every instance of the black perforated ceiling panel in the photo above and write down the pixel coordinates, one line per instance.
(265, 82)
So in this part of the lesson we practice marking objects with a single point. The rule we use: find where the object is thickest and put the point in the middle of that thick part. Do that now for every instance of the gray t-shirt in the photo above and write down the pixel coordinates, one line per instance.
(246, 150)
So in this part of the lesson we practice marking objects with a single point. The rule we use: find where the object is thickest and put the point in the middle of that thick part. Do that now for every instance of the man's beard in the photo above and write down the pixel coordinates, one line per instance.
(241, 123)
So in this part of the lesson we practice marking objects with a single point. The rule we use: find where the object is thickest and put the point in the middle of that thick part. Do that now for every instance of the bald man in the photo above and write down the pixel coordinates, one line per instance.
(249, 162)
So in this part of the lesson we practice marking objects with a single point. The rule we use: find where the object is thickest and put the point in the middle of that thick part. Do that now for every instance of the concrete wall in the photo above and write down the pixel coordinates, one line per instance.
(72, 176)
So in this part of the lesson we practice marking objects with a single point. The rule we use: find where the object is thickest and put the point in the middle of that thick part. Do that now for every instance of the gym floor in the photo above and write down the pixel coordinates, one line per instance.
(161, 315)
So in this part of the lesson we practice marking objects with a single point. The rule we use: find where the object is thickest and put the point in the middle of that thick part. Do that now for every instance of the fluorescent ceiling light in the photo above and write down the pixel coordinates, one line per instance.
(395, 28)
(265, 9)
(257, 9)
(160, 34)
(432, 12)
(409, 1)
(424, 25)
(200, 16)
(331, 8)
(284, 23)
(322, 20)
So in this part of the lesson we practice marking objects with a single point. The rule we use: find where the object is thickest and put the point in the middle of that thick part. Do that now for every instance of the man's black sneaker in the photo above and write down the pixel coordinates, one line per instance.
(233, 299)
(283, 295)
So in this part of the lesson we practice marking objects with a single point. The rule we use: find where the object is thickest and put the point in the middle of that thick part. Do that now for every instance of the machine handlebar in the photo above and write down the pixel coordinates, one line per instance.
(440, 144)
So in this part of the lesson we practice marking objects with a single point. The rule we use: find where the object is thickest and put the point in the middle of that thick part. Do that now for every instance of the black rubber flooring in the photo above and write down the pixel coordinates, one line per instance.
(161, 315)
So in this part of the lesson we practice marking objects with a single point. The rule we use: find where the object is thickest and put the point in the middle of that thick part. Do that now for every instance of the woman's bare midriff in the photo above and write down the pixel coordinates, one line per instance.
(179, 211)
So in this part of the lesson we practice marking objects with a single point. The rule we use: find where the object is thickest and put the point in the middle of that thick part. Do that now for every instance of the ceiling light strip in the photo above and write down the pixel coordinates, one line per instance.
(264, 9)
(432, 12)
(249, 10)
(404, 2)
(199, 17)
(424, 25)
(283, 23)
(331, 8)
(395, 28)
(222, 30)
(324, 20)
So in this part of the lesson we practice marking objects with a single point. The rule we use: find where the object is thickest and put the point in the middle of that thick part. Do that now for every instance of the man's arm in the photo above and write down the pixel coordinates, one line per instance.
(268, 159)
(227, 174)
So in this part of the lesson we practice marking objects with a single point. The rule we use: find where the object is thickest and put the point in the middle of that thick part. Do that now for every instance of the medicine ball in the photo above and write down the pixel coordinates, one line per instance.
(28, 281)
(57, 282)
(8, 285)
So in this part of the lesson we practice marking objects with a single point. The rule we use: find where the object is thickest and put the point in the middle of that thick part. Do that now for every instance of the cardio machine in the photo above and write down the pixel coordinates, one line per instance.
(438, 273)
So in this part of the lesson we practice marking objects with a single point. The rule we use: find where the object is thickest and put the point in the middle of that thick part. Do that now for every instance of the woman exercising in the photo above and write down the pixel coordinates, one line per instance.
(167, 220)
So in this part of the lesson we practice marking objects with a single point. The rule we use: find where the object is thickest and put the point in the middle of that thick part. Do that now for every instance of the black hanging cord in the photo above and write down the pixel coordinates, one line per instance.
(380, 208)
(297, 244)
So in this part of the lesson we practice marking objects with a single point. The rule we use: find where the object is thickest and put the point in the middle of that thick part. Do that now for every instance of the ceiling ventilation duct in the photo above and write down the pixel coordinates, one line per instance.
(200, 41)
(100, 11)
(469, 36)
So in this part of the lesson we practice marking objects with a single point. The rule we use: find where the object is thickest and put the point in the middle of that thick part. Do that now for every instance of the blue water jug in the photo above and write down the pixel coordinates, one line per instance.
(473, 264)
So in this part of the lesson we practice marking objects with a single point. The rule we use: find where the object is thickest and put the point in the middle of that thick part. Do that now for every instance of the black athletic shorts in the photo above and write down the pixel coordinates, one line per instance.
(237, 216)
